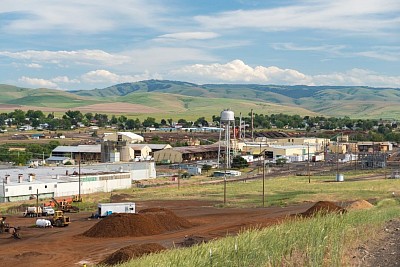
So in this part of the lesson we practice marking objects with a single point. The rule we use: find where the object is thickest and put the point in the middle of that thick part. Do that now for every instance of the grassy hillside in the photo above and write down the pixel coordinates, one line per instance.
(353, 101)
(188, 100)
(8, 92)
(43, 98)
(179, 106)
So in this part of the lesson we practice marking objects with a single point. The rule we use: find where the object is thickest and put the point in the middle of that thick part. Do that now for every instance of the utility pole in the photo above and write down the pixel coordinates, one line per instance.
(337, 159)
(179, 177)
(225, 182)
(79, 176)
(37, 202)
(308, 160)
(263, 179)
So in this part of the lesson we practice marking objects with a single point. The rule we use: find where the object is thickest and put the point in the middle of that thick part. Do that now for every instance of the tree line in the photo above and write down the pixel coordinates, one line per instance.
(365, 129)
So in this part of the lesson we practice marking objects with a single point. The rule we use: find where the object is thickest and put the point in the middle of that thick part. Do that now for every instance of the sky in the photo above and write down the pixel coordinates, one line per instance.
(76, 44)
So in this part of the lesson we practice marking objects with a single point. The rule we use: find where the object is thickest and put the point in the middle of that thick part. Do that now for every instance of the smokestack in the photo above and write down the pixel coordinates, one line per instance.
(20, 178)
(7, 179)
(31, 177)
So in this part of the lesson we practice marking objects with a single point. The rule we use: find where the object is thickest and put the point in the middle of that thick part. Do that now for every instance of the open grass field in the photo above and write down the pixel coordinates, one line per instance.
(280, 191)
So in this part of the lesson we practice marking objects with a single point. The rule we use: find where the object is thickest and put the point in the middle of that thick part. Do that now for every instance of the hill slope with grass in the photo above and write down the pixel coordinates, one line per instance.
(49, 98)
(353, 101)
(189, 100)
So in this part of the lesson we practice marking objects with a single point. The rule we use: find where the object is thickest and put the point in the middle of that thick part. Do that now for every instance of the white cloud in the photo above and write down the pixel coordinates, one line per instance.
(37, 82)
(293, 47)
(75, 16)
(357, 77)
(189, 36)
(105, 76)
(343, 15)
(237, 71)
(78, 57)
(64, 79)
(34, 66)
(381, 55)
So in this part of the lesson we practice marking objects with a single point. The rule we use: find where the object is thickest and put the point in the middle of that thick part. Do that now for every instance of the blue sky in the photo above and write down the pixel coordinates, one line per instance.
(89, 44)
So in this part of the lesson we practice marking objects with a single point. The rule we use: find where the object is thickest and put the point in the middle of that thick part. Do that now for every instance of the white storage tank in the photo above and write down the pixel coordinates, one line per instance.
(339, 177)
(227, 115)
(43, 223)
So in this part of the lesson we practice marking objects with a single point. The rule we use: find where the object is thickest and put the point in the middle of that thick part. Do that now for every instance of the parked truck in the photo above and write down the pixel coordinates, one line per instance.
(38, 211)
(33, 212)
(106, 209)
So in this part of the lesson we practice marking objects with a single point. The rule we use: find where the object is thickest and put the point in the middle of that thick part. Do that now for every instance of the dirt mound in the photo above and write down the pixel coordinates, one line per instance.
(146, 222)
(130, 252)
(192, 240)
(121, 198)
(359, 205)
(323, 207)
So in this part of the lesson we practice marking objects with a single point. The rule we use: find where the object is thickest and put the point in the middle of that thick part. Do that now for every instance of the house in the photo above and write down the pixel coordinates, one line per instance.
(38, 136)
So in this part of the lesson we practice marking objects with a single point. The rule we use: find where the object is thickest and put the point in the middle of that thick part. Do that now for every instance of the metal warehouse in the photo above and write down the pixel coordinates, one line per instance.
(187, 153)
(23, 183)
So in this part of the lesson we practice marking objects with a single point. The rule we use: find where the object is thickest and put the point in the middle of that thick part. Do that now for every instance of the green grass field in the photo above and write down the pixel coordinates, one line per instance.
(319, 241)
(279, 191)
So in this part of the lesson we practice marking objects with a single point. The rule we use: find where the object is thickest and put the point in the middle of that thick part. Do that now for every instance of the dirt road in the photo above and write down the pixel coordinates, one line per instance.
(66, 246)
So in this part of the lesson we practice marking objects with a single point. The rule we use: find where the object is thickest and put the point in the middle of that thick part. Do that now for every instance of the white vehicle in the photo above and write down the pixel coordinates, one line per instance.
(32, 212)
(43, 223)
(106, 209)
(46, 211)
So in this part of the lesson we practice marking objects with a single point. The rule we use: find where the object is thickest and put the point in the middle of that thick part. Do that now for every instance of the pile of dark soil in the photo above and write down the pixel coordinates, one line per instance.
(192, 240)
(130, 252)
(115, 198)
(323, 207)
(147, 222)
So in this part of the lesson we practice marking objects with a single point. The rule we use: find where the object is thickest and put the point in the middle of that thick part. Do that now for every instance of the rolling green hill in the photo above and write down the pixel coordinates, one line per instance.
(43, 97)
(190, 100)
(353, 101)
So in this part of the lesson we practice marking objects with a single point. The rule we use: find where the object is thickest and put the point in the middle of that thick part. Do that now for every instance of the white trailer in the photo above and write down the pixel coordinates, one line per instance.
(106, 209)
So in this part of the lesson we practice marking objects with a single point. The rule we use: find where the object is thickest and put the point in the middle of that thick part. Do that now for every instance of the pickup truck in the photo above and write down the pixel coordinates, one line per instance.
(46, 211)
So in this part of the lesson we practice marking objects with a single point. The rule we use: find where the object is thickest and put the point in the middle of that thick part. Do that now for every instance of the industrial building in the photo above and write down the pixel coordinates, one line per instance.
(25, 183)
(128, 137)
(86, 153)
(187, 154)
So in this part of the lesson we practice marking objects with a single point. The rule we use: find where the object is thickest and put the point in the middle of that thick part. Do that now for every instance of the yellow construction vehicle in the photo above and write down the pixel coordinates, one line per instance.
(65, 205)
(4, 227)
(59, 219)
(76, 198)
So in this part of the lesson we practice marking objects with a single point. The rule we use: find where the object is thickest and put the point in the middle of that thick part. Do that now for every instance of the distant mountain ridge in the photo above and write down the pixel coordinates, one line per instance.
(184, 97)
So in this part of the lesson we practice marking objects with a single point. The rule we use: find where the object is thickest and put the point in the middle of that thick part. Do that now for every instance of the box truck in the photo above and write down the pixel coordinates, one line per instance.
(106, 209)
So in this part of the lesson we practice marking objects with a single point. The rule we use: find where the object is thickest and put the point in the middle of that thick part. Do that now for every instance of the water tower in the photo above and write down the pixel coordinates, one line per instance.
(227, 122)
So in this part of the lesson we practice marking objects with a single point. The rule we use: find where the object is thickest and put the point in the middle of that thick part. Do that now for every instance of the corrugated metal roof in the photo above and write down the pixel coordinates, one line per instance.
(157, 146)
(78, 149)
(197, 149)
(54, 158)
(138, 146)
(132, 135)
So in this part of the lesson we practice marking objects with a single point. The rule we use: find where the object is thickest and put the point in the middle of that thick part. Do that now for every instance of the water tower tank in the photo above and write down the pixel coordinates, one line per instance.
(227, 115)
